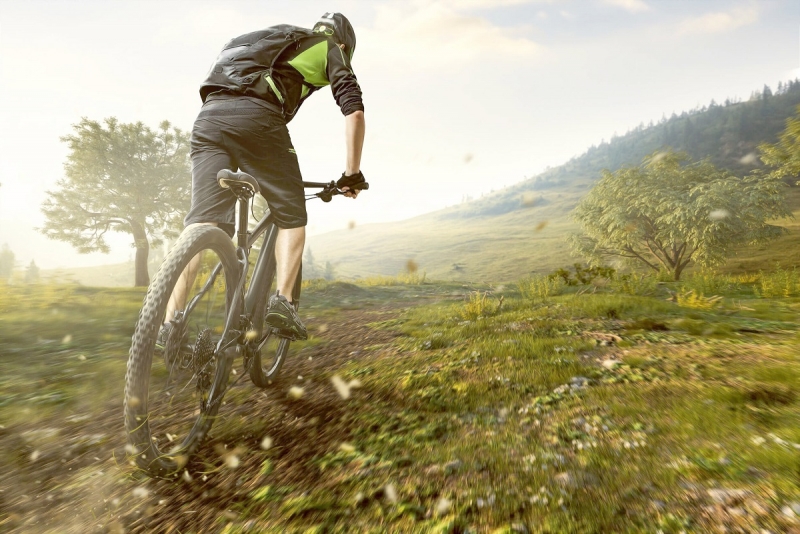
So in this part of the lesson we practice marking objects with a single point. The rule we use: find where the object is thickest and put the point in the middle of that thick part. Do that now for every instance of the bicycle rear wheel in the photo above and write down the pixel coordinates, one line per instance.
(173, 390)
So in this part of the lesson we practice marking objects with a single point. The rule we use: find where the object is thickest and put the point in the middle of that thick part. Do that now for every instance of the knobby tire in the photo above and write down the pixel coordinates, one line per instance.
(194, 376)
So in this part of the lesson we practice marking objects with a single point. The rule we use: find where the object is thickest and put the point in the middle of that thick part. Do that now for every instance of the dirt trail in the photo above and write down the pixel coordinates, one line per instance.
(80, 482)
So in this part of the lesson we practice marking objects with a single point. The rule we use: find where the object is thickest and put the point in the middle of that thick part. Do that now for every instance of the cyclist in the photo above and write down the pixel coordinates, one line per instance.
(253, 90)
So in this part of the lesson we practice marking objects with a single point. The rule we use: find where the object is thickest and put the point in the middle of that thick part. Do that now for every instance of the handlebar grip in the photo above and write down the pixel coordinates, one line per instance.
(359, 186)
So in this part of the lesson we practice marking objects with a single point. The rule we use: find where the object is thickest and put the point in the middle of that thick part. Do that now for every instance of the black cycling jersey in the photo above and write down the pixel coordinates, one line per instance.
(316, 61)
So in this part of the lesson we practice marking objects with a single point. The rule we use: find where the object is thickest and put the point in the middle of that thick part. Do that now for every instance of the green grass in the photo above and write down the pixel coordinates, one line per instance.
(475, 411)
(481, 415)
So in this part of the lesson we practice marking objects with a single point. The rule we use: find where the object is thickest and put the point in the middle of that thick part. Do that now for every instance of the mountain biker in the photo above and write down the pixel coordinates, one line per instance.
(242, 124)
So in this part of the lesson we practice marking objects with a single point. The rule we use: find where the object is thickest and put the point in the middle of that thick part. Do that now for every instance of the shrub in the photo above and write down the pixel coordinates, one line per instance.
(706, 283)
(403, 279)
(479, 305)
(582, 275)
(540, 287)
(691, 299)
(635, 284)
(781, 283)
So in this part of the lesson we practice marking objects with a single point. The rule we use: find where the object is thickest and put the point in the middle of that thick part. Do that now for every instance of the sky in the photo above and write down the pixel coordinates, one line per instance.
(462, 97)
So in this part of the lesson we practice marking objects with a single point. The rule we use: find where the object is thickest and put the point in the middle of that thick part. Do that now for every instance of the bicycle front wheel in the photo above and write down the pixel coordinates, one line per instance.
(174, 385)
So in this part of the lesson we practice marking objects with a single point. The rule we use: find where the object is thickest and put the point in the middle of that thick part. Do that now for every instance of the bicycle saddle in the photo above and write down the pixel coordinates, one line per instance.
(228, 179)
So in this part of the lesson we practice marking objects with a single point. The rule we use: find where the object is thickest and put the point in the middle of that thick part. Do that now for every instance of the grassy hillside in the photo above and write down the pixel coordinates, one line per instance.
(521, 228)
(501, 248)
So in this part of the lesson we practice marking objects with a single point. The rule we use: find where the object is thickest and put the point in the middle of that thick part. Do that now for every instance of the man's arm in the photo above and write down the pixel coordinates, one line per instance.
(354, 127)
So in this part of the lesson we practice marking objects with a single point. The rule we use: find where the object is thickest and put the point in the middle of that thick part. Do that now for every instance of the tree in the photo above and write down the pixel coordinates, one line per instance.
(669, 213)
(121, 178)
(32, 273)
(330, 271)
(6, 262)
(310, 268)
(784, 156)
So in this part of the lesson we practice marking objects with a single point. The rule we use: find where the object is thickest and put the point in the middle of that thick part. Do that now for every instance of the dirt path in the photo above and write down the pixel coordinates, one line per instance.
(79, 482)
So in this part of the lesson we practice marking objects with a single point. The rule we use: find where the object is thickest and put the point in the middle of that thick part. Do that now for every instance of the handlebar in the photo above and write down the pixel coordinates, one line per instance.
(243, 183)
(329, 189)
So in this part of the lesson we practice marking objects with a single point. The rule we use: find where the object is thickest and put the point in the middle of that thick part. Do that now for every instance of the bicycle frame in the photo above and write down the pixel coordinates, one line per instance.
(244, 304)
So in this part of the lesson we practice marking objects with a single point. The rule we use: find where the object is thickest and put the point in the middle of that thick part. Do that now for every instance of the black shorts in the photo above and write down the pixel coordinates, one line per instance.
(238, 133)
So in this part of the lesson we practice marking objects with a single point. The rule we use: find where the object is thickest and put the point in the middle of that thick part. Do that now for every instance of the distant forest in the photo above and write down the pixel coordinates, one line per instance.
(728, 134)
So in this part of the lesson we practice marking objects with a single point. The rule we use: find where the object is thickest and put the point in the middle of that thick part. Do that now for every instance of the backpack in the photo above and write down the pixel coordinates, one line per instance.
(245, 64)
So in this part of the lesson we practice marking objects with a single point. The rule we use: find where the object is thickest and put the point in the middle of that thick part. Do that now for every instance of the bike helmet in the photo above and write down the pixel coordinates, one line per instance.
(336, 26)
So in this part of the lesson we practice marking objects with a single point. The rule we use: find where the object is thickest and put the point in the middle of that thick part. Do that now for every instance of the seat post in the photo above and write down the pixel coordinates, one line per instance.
(242, 233)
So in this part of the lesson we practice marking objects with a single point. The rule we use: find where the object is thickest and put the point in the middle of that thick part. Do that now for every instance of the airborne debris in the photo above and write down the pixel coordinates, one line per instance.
(67, 339)
(266, 443)
(749, 159)
(541, 226)
(443, 506)
(341, 386)
(719, 215)
(250, 335)
(141, 493)
(186, 476)
(391, 493)
(346, 447)
(527, 199)
(295, 392)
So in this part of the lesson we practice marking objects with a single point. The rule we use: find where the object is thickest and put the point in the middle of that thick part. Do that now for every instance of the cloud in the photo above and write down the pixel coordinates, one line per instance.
(488, 4)
(441, 35)
(719, 22)
(634, 6)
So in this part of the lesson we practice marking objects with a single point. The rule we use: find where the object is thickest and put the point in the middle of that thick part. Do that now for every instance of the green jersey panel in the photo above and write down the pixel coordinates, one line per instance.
(312, 64)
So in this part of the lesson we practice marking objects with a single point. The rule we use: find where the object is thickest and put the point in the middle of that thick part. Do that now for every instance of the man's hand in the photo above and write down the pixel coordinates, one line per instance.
(346, 183)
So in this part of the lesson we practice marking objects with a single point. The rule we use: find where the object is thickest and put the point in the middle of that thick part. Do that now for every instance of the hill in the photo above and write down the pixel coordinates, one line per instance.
(521, 229)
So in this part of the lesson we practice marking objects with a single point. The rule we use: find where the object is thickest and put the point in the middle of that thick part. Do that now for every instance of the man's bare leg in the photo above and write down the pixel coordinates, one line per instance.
(288, 255)
(177, 301)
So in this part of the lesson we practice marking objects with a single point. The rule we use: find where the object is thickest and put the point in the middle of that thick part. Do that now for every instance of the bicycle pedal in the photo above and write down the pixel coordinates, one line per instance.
(285, 334)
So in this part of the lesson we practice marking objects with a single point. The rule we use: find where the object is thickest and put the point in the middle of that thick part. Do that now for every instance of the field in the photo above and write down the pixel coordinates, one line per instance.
(619, 406)
(453, 245)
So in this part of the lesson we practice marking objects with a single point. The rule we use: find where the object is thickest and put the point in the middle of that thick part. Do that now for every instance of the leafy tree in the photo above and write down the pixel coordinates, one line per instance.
(784, 156)
(668, 213)
(6, 262)
(122, 178)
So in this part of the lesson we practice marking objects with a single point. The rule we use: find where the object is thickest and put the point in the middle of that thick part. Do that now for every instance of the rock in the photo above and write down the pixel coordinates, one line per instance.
(519, 528)
(754, 472)
(564, 479)
(728, 497)
(432, 469)
(452, 467)
(610, 364)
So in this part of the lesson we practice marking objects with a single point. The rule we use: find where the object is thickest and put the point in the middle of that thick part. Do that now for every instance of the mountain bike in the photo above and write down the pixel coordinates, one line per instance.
(173, 391)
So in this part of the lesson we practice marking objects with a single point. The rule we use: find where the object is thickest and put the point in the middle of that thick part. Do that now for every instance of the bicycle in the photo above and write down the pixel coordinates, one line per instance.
(173, 393)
